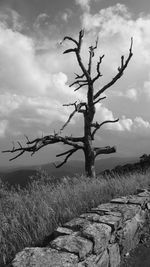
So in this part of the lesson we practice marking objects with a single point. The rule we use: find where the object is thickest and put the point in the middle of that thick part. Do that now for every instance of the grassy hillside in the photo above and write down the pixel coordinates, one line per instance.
(28, 216)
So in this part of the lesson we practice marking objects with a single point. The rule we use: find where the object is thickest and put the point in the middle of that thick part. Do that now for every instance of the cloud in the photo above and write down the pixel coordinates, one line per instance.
(105, 16)
(41, 21)
(31, 94)
(66, 15)
(104, 114)
(19, 70)
(136, 125)
(132, 94)
(84, 4)
(11, 19)
(140, 123)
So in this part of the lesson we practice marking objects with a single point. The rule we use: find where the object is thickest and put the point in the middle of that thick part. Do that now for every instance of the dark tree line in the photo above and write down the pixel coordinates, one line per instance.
(142, 166)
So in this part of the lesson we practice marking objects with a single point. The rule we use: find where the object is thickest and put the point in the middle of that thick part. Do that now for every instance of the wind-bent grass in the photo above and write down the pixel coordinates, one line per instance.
(28, 216)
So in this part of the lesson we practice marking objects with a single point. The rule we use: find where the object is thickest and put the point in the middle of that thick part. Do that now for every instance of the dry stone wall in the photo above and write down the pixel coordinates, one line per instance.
(99, 238)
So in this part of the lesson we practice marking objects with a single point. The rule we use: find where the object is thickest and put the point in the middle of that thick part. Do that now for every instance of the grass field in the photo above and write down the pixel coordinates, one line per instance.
(27, 216)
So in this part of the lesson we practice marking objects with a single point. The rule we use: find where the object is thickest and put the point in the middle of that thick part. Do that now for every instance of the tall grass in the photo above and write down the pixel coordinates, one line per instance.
(28, 216)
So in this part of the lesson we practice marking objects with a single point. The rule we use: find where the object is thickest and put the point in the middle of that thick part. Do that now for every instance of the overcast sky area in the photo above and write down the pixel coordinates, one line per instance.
(35, 75)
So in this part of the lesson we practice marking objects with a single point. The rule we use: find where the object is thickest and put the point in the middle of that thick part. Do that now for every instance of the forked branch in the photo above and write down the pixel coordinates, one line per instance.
(77, 108)
(119, 74)
(77, 50)
(34, 145)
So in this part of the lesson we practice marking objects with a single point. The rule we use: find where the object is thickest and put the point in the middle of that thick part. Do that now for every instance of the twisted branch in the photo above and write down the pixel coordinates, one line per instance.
(34, 145)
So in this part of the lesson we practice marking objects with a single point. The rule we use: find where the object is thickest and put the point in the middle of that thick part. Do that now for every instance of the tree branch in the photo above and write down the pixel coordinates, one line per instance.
(70, 104)
(81, 34)
(77, 52)
(104, 150)
(68, 153)
(77, 82)
(98, 69)
(99, 99)
(120, 72)
(79, 76)
(80, 86)
(70, 39)
(69, 51)
(69, 119)
(77, 109)
(98, 126)
(34, 145)
(91, 51)
(74, 139)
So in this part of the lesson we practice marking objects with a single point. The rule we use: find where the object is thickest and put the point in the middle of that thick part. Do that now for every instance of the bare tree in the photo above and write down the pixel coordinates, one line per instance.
(87, 109)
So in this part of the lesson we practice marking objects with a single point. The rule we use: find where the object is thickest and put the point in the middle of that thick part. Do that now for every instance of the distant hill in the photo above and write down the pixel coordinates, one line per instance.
(20, 175)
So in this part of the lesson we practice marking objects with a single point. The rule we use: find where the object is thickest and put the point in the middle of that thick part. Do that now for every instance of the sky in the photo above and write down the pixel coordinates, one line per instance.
(35, 74)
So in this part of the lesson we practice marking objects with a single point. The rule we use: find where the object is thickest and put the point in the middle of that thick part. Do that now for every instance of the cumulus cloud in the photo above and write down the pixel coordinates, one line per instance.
(29, 92)
(136, 125)
(105, 16)
(19, 71)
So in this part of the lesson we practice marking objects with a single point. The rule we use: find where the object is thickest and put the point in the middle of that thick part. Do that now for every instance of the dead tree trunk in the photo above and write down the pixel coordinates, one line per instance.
(88, 120)
(88, 148)
(87, 109)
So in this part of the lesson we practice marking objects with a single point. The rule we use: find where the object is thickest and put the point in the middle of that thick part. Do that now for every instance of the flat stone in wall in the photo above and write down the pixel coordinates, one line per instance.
(74, 244)
(100, 235)
(44, 257)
